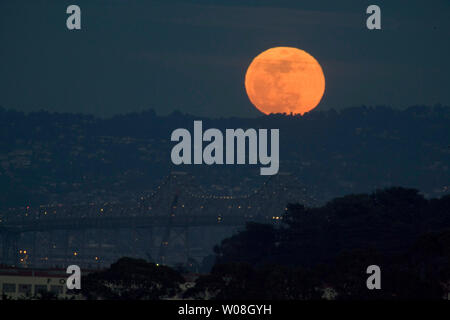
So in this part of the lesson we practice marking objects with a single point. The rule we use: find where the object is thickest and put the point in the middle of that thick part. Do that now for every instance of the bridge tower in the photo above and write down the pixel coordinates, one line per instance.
(174, 245)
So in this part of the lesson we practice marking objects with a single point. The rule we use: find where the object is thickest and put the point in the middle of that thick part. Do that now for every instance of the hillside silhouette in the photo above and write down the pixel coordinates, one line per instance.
(67, 158)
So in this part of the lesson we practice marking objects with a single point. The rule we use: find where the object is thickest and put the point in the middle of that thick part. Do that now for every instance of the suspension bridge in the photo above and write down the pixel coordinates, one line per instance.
(177, 223)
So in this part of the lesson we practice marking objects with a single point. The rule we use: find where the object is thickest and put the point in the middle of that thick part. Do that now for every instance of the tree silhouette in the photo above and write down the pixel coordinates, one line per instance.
(132, 279)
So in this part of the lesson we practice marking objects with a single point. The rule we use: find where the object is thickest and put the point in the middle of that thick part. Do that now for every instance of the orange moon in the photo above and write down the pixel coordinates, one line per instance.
(285, 80)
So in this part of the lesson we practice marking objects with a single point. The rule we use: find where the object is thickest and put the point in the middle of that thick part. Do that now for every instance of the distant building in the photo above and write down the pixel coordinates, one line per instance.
(16, 283)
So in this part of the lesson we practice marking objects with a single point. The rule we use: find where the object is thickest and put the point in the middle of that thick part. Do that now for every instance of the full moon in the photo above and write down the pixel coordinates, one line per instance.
(285, 80)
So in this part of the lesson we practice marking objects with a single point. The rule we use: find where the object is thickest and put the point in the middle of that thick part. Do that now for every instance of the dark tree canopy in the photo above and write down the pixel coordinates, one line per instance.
(132, 279)
(397, 229)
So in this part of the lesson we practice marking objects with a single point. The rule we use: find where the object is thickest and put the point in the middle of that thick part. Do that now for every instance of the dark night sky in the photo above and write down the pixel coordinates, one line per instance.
(192, 55)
